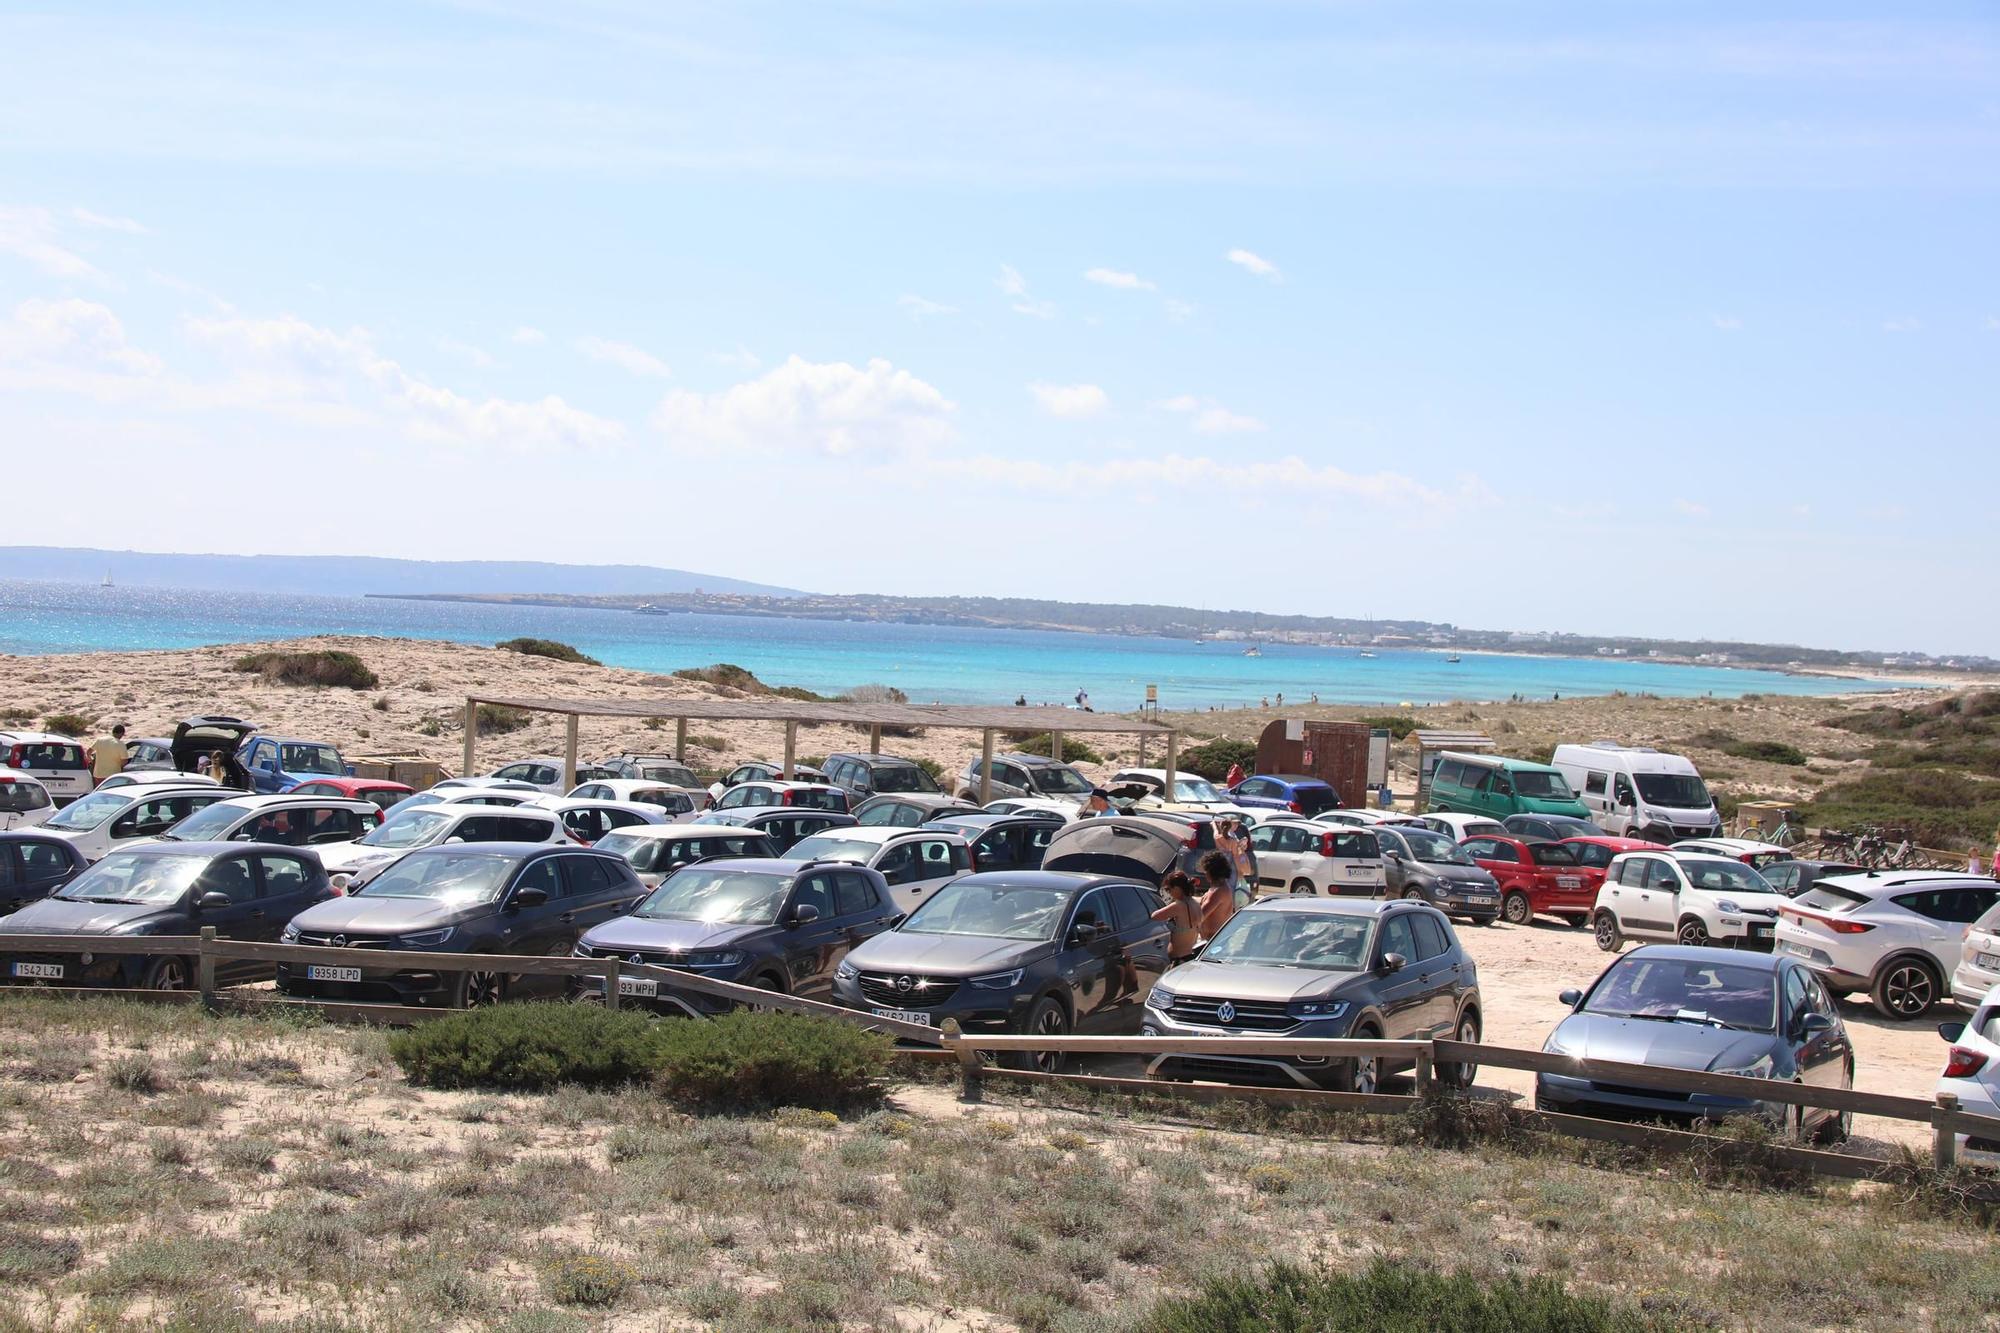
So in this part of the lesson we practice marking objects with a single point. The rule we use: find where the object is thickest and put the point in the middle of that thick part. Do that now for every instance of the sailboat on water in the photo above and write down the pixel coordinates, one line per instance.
(107, 580)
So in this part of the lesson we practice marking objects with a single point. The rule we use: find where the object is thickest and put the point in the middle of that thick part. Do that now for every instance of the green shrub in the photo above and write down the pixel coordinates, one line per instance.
(1038, 742)
(17, 714)
(587, 1279)
(549, 648)
(1940, 808)
(799, 693)
(725, 674)
(498, 718)
(707, 742)
(932, 767)
(762, 1059)
(1214, 759)
(530, 1047)
(1397, 725)
(1387, 1298)
(321, 667)
(67, 724)
(875, 694)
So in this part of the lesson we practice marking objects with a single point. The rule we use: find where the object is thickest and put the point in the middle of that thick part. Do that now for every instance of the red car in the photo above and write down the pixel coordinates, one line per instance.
(1594, 853)
(1537, 877)
(379, 792)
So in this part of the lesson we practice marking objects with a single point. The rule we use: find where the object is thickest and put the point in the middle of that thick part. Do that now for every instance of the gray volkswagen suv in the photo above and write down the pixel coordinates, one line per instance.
(1318, 967)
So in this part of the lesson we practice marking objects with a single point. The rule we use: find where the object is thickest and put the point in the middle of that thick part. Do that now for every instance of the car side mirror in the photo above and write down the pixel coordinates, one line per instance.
(804, 914)
(1084, 932)
(1951, 1031)
(1812, 1025)
(213, 901)
(898, 919)
(1393, 962)
(1571, 997)
(531, 896)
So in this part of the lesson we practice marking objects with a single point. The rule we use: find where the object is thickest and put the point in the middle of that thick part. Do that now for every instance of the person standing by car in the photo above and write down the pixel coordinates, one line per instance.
(107, 754)
(1182, 915)
(1218, 902)
(1233, 842)
(1098, 803)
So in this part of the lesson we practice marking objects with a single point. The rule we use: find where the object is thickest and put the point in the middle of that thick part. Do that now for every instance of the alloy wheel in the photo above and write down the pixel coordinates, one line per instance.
(1367, 1073)
(1049, 1023)
(169, 974)
(1518, 910)
(481, 988)
(1693, 934)
(1909, 989)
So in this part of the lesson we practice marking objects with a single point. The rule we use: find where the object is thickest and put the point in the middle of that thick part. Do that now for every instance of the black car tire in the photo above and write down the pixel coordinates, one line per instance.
(1517, 909)
(1486, 920)
(1577, 920)
(169, 973)
(1905, 988)
(473, 990)
(1046, 1018)
(1361, 1074)
(1692, 933)
(1460, 1075)
(1609, 937)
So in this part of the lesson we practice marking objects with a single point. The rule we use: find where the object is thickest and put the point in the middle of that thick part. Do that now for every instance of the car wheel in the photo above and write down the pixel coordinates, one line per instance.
(1047, 1019)
(1460, 1075)
(476, 990)
(1414, 894)
(1838, 1127)
(1906, 988)
(1517, 909)
(1609, 937)
(1361, 1074)
(1303, 888)
(1577, 921)
(169, 973)
(1692, 933)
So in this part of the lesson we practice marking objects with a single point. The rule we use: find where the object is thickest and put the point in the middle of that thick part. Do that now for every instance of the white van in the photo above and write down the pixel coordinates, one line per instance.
(1635, 791)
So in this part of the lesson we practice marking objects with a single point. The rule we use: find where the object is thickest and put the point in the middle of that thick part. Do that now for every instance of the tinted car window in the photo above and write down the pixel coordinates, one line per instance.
(40, 860)
(232, 877)
(284, 876)
(587, 876)
(543, 874)
(855, 893)
(815, 892)
(1397, 937)
(1130, 907)
(1093, 910)
(1430, 935)
(1593, 854)
(514, 828)
(1950, 904)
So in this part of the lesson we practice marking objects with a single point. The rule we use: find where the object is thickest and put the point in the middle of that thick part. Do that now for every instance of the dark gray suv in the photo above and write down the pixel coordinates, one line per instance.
(1318, 967)
(871, 774)
(1024, 775)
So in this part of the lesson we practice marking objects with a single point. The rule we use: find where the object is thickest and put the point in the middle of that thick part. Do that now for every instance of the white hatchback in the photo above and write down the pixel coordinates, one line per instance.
(118, 817)
(1692, 900)
(1972, 1073)
(1898, 936)
(1324, 860)
(24, 801)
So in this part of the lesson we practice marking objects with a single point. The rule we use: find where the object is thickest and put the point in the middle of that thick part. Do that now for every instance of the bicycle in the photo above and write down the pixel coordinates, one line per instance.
(1787, 834)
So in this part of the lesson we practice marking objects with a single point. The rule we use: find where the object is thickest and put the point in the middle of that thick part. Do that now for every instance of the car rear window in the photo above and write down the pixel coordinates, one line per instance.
(1312, 800)
(1831, 898)
(820, 798)
(46, 755)
(20, 797)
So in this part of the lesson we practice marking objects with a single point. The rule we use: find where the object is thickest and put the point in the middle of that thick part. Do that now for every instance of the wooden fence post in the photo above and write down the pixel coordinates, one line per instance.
(1944, 1140)
(969, 1071)
(611, 983)
(1423, 1074)
(204, 969)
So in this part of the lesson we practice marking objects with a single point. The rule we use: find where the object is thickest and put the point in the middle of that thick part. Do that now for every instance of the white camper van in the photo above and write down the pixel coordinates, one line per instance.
(1635, 791)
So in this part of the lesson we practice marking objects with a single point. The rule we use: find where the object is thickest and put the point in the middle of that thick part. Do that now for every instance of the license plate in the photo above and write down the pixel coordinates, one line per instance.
(1796, 950)
(638, 986)
(317, 973)
(1756, 929)
(1988, 961)
(47, 971)
(1360, 870)
(905, 1016)
(1568, 882)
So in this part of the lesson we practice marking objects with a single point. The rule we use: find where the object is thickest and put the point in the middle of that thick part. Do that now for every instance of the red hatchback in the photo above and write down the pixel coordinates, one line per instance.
(1537, 877)
(379, 792)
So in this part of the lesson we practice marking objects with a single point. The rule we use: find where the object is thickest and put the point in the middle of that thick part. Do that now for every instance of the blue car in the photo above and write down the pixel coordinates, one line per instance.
(1286, 791)
(279, 763)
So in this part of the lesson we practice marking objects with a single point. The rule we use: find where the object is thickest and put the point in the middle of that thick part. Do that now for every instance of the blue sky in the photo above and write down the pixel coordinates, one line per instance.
(1649, 318)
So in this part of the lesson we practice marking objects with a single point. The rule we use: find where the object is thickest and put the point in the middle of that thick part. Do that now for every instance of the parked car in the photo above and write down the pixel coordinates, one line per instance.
(286, 821)
(1972, 1073)
(378, 792)
(1749, 851)
(901, 811)
(1978, 969)
(1458, 827)
(661, 769)
(1431, 868)
(912, 862)
(1794, 876)
(1635, 791)
(543, 772)
(407, 828)
(1595, 854)
(1142, 790)
(1550, 828)
(865, 775)
(33, 865)
(530, 899)
(762, 771)
(1496, 786)
(1066, 811)
(107, 820)
(279, 763)
(1016, 951)
(197, 740)
(159, 777)
(1029, 775)
(149, 754)
(57, 762)
(246, 891)
(674, 802)
(1285, 791)
(1140, 847)
(1295, 856)
(776, 925)
(781, 824)
(1713, 1011)
(656, 851)
(1351, 818)
(1695, 900)
(449, 786)
(24, 801)
(1537, 878)
(1319, 967)
(798, 795)
(1003, 842)
(1898, 936)
(588, 820)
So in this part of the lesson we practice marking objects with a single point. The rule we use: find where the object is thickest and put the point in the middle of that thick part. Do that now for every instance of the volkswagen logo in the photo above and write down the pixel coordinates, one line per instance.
(638, 958)
(905, 985)
(1225, 1012)
(338, 941)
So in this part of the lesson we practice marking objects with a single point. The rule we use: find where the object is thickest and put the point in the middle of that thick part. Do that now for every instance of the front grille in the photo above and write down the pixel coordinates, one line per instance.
(882, 988)
(1656, 1094)
(644, 956)
(1770, 913)
(321, 940)
(1983, 1145)
(1245, 1016)
(1692, 830)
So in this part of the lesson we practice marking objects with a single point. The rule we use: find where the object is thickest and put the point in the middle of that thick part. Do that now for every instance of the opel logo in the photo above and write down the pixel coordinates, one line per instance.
(906, 984)
(1225, 1012)
(338, 941)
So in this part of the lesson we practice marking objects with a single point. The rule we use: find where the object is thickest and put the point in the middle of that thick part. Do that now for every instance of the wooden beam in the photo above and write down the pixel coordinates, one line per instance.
(1173, 760)
(874, 738)
(471, 734)
(791, 748)
(680, 740)
(1944, 1143)
(569, 754)
(986, 766)
(1055, 744)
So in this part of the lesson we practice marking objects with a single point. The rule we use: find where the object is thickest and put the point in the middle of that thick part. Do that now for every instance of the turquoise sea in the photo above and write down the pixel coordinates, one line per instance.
(929, 663)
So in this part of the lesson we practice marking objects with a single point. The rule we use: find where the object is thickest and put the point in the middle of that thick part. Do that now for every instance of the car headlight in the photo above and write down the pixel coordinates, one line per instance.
(1727, 905)
(715, 958)
(290, 934)
(580, 950)
(1160, 999)
(997, 980)
(1758, 1068)
(425, 939)
(1317, 1008)
(846, 972)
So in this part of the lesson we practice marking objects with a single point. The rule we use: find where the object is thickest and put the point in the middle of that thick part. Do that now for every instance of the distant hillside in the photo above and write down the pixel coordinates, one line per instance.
(347, 575)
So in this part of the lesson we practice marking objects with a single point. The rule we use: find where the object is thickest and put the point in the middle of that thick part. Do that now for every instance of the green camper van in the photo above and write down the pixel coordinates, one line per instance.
(1485, 784)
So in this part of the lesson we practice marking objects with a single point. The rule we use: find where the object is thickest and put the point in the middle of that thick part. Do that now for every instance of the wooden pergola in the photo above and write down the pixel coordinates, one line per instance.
(984, 718)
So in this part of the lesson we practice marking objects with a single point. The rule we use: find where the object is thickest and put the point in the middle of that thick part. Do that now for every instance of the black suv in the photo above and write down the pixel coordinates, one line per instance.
(870, 774)
(776, 925)
(1016, 951)
(485, 898)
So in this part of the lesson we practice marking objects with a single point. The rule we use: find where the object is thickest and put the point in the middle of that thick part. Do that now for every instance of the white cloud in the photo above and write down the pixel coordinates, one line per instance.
(1901, 324)
(741, 359)
(477, 357)
(1727, 323)
(1210, 417)
(1691, 508)
(31, 234)
(830, 408)
(920, 308)
(528, 336)
(1111, 277)
(625, 356)
(105, 223)
(1070, 400)
(1254, 263)
(81, 335)
(1015, 287)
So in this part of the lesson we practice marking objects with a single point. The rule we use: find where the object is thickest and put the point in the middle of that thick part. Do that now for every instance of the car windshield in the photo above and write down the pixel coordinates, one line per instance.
(1434, 848)
(672, 774)
(995, 911)
(1675, 791)
(903, 777)
(1318, 941)
(1059, 780)
(452, 876)
(411, 828)
(1567, 826)
(295, 758)
(831, 847)
(210, 823)
(1538, 783)
(1195, 789)
(1675, 990)
(135, 879)
(719, 896)
(1719, 874)
(88, 813)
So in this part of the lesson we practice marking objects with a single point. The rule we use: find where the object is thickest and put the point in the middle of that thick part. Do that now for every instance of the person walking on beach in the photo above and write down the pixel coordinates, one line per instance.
(1182, 915)
(107, 754)
(1083, 700)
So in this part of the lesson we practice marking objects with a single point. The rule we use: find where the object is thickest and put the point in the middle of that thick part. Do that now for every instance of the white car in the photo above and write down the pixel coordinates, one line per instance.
(1459, 827)
(656, 851)
(1747, 850)
(1972, 1073)
(1898, 936)
(288, 821)
(105, 821)
(674, 802)
(1302, 857)
(24, 801)
(443, 795)
(544, 772)
(1978, 968)
(57, 762)
(1067, 811)
(156, 777)
(915, 861)
(804, 795)
(1693, 900)
(352, 864)
(588, 820)
(1364, 818)
(1143, 790)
